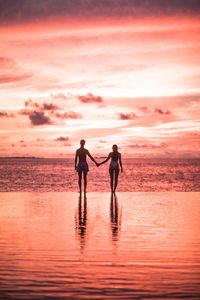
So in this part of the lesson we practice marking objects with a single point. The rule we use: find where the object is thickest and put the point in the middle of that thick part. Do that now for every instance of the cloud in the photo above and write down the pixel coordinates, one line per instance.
(59, 96)
(6, 63)
(148, 146)
(4, 114)
(143, 109)
(38, 118)
(162, 112)
(127, 116)
(90, 98)
(50, 106)
(43, 106)
(10, 78)
(10, 72)
(68, 115)
(25, 112)
(32, 10)
(62, 139)
(31, 103)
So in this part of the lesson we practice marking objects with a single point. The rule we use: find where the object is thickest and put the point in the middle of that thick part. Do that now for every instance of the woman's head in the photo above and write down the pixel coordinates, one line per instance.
(115, 148)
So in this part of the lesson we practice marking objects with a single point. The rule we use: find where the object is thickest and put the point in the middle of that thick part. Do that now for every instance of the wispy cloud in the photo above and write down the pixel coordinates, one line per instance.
(68, 115)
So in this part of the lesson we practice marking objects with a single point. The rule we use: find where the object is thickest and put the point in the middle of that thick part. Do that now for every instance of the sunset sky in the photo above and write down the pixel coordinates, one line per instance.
(110, 71)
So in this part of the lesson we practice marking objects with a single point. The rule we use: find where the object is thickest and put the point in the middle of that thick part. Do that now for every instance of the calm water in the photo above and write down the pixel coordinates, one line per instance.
(134, 246)
(139, 175)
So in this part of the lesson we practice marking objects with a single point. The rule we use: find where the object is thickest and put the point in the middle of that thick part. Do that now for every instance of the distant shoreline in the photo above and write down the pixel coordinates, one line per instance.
(99, 157)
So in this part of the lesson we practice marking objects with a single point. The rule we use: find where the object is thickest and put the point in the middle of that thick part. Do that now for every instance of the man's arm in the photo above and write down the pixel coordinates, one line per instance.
(76, 158)
(120, 162)
(90, 156)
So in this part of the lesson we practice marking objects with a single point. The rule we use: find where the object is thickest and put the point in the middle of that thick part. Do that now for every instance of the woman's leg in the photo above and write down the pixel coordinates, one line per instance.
(116, 179)
(111, 179)
(80, 180)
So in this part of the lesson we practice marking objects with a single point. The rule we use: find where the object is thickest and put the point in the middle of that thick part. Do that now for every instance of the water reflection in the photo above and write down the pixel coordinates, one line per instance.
(115, 217)
(80, 249)
(81, 220)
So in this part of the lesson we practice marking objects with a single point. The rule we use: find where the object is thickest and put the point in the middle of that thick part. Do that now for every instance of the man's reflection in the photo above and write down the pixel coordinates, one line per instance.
(81, 220)
(115, 217)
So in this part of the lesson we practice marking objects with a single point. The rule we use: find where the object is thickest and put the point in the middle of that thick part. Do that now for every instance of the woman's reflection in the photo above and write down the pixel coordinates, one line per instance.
(115, 217)
(81, 220)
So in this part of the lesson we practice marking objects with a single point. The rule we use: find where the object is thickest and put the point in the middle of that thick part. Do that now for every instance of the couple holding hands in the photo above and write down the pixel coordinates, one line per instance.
(81, 165)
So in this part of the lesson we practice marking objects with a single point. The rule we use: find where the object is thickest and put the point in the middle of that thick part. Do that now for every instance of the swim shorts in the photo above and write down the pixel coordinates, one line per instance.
(82, 167)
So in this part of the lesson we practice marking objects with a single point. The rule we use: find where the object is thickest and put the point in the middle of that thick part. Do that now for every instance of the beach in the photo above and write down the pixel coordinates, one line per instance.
(56, 245)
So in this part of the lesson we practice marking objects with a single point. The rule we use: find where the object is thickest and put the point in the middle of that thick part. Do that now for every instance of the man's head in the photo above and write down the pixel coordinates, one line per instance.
(82, 143)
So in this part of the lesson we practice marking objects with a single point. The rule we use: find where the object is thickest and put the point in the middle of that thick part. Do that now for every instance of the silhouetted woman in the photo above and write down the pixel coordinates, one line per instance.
(116, 161)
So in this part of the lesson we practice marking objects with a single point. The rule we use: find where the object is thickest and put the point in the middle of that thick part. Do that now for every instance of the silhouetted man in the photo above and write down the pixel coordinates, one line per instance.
(82, 167)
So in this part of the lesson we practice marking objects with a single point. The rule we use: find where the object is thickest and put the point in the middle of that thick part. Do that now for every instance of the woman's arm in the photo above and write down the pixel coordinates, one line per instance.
(120, 162)
(104, 161)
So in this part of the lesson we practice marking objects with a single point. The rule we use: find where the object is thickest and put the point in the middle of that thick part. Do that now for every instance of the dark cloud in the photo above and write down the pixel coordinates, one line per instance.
(38, 118)
(4, 114)
(127, 116)
(90, 98)
(62, 139)
(68, 115)
(12, 11)
(162, 112)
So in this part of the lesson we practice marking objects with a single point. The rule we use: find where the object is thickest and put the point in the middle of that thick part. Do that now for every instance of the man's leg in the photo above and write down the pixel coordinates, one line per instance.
(85, 181)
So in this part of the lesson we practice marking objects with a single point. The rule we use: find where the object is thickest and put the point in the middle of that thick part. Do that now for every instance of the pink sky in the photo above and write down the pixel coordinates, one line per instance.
(131, 82)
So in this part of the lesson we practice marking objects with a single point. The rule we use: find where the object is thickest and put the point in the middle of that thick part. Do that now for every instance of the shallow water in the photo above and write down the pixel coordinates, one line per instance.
(147, 175)
(132, 246)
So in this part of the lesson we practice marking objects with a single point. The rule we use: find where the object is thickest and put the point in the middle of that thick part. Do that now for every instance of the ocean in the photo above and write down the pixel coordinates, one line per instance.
(55, 174)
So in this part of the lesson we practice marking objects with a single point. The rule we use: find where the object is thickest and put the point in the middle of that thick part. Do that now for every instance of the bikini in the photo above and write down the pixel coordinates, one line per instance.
(114, 165)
